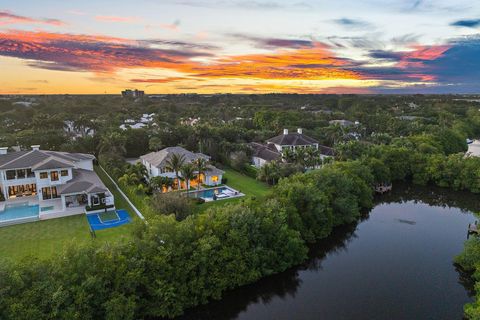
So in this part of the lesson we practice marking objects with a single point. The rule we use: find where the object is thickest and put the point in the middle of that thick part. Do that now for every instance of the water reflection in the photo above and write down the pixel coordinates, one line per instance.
(265, 297)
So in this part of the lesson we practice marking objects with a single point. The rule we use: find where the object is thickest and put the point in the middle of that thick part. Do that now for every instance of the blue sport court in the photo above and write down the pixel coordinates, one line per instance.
(109, 219)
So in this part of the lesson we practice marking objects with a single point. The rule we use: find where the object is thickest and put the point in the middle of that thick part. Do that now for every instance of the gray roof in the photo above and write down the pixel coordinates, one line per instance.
(160, 158)
(52, 163)
(326, 151)
(35, 158)
(214, 171)
(292, 139)
(84, 181)
(265, 152)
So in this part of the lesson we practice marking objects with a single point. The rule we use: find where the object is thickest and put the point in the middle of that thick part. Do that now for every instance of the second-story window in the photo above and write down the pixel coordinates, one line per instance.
(21, 174)
(43, 175)
(64, 173)
(11, 174)
(54, 175)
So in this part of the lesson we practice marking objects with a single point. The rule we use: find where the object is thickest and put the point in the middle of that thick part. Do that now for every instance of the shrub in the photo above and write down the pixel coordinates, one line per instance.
(172, 203)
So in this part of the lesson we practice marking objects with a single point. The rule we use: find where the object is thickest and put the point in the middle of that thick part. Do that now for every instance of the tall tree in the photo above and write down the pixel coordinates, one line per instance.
(188, 173)
(175, 164)
(201, 167)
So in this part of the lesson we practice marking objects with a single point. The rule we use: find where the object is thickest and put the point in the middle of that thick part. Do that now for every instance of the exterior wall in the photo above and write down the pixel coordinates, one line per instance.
(48, 181)
(209, 180)
(258, 162)
(85, 164)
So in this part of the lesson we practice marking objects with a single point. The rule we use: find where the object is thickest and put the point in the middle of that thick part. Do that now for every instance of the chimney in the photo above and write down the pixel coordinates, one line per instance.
(3, 150)
(299, 130)
(36, 147)
(285, 131)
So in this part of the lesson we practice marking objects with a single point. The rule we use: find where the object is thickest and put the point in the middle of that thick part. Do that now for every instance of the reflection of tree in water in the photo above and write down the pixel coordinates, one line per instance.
(279, 285)
(467, 202)
(432, 195)
(286, 283)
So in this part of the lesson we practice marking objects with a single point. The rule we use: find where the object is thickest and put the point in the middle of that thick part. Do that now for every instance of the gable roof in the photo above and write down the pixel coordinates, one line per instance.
(36, 158)
(160, 158)
(292, 139)
(84, 181)
(52, 163)
(265, 152)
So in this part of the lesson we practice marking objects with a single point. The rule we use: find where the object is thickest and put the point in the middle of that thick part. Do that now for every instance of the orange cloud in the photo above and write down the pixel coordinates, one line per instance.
(117, 19)
(315, 63)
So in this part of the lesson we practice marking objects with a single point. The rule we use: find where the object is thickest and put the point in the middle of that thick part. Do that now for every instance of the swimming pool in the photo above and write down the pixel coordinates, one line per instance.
(215, 193)
(19, 211)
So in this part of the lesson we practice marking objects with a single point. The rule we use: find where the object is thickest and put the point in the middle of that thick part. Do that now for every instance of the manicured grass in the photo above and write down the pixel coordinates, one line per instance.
(44, 238)
(120, 202)
(240, 182)
(41, 239)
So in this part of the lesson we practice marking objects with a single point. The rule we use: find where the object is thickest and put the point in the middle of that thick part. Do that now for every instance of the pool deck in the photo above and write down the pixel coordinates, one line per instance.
(56, 210)
(231, 194)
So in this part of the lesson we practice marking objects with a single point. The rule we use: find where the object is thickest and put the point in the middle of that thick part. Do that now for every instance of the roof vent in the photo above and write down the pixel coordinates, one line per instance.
(299, 130)
(3, 150)
(36, 147)
(285, 131)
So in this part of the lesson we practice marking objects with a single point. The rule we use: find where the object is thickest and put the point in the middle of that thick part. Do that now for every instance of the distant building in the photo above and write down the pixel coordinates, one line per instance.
(343, 123)
(133, 93)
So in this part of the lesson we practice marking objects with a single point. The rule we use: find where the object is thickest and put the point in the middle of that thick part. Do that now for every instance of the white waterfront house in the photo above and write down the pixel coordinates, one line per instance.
(59, 183)
(156, 164)
(275, 148)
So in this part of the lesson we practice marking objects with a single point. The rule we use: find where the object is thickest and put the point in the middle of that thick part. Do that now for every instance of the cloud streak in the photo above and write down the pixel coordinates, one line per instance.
(474, 23)
(7, 18)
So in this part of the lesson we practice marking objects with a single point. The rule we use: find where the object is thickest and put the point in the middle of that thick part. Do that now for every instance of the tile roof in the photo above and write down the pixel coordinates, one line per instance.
(84, 181)
(160, 158)
(292, 139)
(34, 158)
(265, 152)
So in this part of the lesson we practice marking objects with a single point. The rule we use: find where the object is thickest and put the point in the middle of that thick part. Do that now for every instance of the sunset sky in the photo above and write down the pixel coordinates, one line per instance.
(372, 46)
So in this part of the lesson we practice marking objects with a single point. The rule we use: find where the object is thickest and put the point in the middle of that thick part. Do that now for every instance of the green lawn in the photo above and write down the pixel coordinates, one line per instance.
(44, 238)
(240, 182)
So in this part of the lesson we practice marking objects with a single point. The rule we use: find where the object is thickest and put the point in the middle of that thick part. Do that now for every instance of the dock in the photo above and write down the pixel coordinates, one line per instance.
(473, 228)
(382, 188)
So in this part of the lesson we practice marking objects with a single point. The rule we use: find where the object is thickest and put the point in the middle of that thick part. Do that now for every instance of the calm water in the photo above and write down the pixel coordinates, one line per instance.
(394, 264)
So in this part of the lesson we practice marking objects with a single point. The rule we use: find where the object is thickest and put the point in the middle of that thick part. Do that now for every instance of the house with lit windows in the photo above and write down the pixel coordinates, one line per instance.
(39, 184)
(157, 166)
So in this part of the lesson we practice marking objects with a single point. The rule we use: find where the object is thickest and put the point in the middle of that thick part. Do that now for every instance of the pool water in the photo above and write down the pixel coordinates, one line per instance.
(13, 212)
(208, 193)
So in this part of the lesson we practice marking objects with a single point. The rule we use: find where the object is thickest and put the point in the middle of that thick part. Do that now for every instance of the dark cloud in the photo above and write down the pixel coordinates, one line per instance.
(272, 43)
(466, 23)
(189, 45)
(385, 55)
(352, 23)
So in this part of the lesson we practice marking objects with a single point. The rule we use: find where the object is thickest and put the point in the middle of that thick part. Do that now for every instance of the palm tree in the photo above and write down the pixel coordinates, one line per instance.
(301, 156)
(114, 143)
(313, 157)
(175, 163)
(188, 173)
(289, 155)
(270, 172)
(201, 167)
